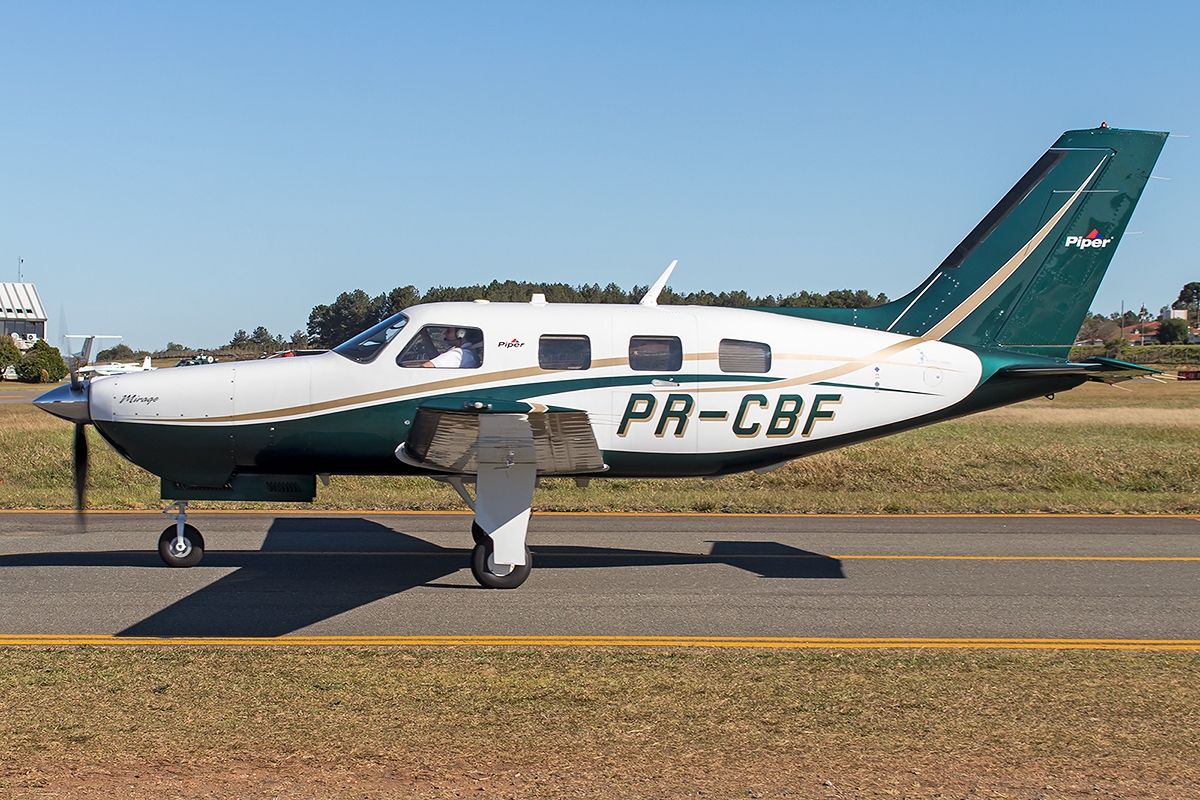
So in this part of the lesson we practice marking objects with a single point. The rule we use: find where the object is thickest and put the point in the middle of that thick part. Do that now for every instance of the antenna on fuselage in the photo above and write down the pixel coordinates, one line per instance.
(651, 298)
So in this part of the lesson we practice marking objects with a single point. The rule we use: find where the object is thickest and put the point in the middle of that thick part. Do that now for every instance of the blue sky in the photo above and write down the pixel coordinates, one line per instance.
(174, 172)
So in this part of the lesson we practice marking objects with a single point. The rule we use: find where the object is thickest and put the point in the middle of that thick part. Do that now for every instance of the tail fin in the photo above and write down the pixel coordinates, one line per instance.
(1024, 278)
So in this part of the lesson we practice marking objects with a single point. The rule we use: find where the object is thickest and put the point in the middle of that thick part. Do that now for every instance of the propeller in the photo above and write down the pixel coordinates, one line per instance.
(71, 403)
(80, 446)
(81, 464)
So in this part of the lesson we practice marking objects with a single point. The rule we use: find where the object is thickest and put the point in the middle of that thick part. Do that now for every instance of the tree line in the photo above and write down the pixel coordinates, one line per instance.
(260, 341)
(355, 311)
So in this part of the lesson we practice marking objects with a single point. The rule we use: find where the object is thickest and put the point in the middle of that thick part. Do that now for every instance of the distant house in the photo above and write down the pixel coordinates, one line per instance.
(1148, 333)
(21, 312)
(1142, 333)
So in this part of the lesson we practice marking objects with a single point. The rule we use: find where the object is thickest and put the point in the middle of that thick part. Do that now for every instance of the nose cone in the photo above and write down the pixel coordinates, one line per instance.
(67, 402)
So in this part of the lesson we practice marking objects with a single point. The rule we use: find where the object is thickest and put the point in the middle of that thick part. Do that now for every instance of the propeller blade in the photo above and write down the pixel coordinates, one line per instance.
(81, 464)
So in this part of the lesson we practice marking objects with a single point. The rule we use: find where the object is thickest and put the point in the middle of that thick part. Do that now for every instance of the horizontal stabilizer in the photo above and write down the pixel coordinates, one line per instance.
(1105, 370)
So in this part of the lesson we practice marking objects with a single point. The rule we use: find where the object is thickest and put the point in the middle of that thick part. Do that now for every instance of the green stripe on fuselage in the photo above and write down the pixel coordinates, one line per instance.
(356, 441)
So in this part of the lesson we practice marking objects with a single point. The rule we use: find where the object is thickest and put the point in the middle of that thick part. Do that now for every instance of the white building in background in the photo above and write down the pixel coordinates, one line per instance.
(22, 316)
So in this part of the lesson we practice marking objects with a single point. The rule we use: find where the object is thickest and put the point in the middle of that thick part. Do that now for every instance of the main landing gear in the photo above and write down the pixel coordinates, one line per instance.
(505, 476)
(491, 575)
(502, 503)
(487, 572)
(180, 545)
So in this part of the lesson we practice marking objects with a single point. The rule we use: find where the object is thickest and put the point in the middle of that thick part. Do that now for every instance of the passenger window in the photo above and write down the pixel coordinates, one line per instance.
(564, 352)
(444, 347)
(655, 353)
(735, 355)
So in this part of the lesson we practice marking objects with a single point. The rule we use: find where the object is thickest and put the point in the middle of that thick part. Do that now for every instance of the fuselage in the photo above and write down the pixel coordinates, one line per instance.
(669, 391)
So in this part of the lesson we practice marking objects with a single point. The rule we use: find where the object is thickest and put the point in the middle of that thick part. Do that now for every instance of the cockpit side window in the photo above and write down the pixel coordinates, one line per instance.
(368, 344)
(444, 347)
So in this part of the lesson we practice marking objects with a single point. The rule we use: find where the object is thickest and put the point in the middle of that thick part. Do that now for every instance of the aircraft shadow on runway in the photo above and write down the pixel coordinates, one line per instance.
(311, 569)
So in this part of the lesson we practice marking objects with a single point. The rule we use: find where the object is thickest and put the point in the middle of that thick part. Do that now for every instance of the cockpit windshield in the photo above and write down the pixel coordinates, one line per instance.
(368, 344)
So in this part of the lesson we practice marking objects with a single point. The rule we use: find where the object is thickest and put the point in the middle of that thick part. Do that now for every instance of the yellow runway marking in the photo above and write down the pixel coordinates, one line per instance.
(97, 640)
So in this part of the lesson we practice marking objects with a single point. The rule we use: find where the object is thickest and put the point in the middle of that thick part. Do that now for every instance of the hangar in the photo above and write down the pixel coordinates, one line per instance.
(21, 312)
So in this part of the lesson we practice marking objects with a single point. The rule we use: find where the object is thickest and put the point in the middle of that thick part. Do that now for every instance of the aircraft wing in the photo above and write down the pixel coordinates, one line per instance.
(1104, 370)
(446, 436)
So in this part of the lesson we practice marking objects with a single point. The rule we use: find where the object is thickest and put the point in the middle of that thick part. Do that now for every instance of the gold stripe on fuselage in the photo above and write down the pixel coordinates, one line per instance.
(477, 381)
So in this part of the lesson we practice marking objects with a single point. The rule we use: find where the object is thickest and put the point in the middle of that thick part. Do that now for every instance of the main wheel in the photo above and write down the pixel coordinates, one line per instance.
(485, 569)
(187, 556)
(478, 534)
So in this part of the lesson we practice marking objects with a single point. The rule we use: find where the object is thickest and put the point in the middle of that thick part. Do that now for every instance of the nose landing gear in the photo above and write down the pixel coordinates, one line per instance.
(180, 545)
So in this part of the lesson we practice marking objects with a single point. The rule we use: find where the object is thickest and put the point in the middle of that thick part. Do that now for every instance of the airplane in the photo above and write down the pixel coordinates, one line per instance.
(116, 368)
(502, 394)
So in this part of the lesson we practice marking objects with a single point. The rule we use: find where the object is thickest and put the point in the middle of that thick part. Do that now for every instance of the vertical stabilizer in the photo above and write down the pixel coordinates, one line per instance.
(1025, 277)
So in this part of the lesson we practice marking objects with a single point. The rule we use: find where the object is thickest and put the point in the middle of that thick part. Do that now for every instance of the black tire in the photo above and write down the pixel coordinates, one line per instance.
(478, 534)
(489, 579)
(190, 558)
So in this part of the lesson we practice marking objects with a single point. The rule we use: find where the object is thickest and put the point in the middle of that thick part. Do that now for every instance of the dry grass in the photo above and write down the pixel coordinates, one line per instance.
(1096, 449)
(525, 723)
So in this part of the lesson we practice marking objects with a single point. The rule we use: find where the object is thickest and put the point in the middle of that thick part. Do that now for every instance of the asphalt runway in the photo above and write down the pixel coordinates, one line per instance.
(1087, 581)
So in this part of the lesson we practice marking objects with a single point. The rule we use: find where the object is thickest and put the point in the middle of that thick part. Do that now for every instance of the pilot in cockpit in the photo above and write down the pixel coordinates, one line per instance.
(463, 353)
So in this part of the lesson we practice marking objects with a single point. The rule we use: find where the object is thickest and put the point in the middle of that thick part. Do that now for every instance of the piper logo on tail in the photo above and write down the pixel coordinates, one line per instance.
(1091, 240)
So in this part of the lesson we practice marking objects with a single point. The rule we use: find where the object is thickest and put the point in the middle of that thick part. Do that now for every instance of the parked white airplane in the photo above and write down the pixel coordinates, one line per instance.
(116, 368)
(501, 393)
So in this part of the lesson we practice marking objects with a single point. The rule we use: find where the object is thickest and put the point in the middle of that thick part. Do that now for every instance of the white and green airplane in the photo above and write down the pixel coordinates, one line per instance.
(501, 394)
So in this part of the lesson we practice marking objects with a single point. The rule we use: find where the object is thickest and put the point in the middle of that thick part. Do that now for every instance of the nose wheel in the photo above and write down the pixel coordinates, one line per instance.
(181, 551)
(180, 545)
